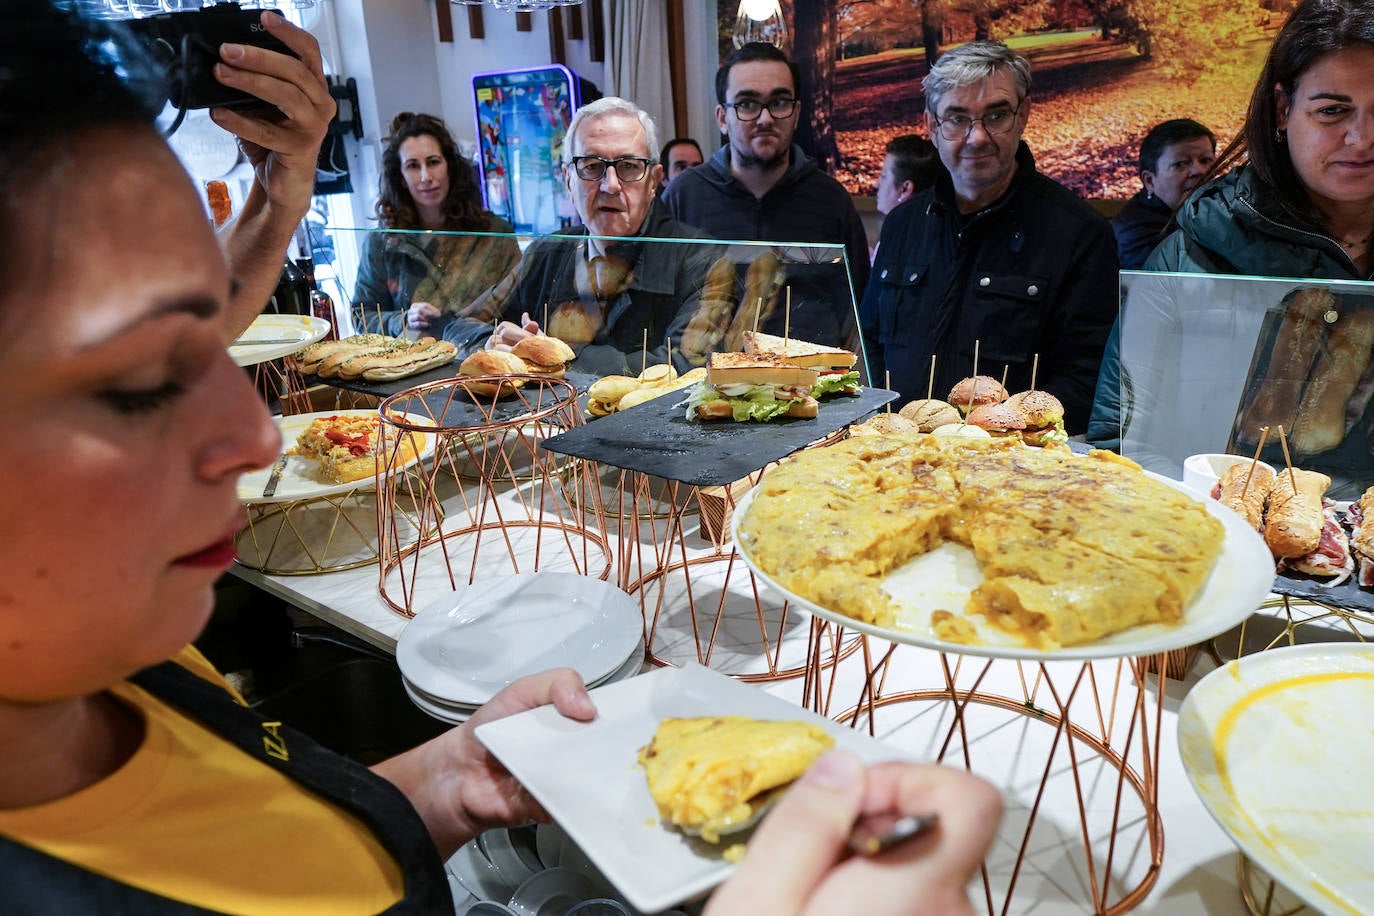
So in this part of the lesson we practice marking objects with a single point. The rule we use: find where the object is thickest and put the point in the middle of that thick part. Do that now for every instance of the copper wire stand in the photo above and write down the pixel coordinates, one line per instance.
(1082, 822)
(702, 603)
(1290, 622)
(279, 378)
(318, 535)
(491, 502)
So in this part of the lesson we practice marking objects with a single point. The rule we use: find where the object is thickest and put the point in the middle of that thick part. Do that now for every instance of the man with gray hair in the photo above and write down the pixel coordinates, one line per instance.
(601, 288)
(994, 256)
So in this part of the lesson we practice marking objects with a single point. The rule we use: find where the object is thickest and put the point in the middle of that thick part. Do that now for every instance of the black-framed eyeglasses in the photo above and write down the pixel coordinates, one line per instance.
(959, 126)
(750, 109)
(627, 168)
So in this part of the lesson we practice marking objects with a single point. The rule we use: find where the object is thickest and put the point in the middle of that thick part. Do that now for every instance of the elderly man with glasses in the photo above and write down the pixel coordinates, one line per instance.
(760, 186)
(994, 256)
(604, 289)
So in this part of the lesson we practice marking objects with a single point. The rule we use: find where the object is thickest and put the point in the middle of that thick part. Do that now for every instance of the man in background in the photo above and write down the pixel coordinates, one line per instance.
(761, 186)
(679, 154)
(994, 257)
(909, 167)
(1173, 158)
(617, 299)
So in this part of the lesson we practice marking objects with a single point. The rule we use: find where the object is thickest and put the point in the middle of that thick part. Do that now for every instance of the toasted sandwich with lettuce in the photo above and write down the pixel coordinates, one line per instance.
(834, 367)
(752, 386)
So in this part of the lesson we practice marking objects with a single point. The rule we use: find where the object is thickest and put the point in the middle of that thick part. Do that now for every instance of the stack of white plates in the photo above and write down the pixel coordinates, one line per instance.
(463, 648)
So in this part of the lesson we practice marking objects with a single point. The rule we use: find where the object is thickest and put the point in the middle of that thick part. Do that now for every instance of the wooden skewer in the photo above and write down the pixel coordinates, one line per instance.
(930, 383)
(758, 310)
(1292, 478)
(974, 387)
(644, 352)
(670, 351)
(1035, 365)
(787, 322)
(887, 383)
(1005, 367)
(545, 325)
(1264, 434)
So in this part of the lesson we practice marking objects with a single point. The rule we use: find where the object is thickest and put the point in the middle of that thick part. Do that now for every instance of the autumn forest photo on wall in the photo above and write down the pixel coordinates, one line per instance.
(1104, 72)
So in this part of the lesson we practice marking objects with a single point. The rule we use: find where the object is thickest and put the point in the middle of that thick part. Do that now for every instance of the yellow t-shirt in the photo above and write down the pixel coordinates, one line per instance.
(193, 818)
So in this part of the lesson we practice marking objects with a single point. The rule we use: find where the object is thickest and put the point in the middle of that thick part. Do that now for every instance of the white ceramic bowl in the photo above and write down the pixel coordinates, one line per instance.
(1201, 472)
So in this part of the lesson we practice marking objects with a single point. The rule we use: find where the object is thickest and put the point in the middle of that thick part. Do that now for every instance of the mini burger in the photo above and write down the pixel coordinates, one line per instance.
(885, 424)
(1000, 420)
(1044, 417)
(835, 372)
(604, 395)
(928, 413)
(493, 362)
(544, 355)
(976, 391)
(752, 386)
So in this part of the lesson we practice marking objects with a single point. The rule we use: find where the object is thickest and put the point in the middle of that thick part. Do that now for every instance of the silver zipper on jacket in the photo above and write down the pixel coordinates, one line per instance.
(1294, 229)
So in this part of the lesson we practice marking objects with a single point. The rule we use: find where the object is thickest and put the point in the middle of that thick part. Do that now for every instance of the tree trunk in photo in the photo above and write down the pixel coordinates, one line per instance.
(814, 52)
(930, 35)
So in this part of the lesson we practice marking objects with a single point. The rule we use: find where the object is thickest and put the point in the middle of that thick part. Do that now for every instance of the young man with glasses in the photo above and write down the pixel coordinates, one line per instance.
(605, 291)
(760, 186)
(995, 255)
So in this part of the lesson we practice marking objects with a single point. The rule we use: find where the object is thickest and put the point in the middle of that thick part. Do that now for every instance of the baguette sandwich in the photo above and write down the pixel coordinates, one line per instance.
(1245, 493)
(752, 386)
(834, 366)
(1361, 517)
(1294, 522)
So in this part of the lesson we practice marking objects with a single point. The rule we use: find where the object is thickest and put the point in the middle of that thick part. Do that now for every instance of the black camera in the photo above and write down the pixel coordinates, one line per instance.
(187, 45)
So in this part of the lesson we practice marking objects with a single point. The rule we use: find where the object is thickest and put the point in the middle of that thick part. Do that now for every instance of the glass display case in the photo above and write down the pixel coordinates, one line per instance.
(621, 303)
(1210, 362)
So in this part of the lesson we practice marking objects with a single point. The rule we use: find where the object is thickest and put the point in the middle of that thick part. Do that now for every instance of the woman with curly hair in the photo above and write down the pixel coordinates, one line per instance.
(418, 275)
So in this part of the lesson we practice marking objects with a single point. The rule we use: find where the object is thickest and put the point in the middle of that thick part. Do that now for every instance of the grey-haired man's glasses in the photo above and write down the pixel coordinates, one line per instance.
(627, 168)
(959, 126)
(750, 109)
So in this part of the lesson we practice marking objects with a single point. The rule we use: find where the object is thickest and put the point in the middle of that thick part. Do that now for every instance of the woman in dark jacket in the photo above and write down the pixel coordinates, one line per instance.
(1301, 206)
(418, 280)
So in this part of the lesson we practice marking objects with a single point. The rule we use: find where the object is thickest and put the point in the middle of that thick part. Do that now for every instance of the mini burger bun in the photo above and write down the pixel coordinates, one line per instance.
(929, 413)
(544, 355)
(885, 424)
(493, 362)
(1040, 407)
(661, 374)
(975, 391)
(998, 418)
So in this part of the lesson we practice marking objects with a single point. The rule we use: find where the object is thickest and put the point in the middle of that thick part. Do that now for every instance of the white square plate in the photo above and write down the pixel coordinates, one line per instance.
(586, 775)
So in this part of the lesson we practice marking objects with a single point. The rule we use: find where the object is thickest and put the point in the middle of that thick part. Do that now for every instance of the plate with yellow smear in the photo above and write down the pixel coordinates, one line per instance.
(1278, 746)
(985, 547)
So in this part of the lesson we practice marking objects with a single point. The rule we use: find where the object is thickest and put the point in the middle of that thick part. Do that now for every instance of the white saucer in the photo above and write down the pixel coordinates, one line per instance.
(458, 713)
(466, 646)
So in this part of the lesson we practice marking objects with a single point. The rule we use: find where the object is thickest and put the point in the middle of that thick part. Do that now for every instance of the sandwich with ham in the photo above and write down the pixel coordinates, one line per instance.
(752, 386)
(1361, 518)
(835, 372)
(1302, 528)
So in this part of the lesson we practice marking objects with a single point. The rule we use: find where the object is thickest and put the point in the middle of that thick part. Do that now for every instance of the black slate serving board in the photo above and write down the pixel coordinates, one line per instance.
(656, 438)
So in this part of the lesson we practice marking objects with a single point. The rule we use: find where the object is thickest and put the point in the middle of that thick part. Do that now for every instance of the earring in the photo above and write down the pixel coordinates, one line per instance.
(1149, 195)
(1280, 137)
